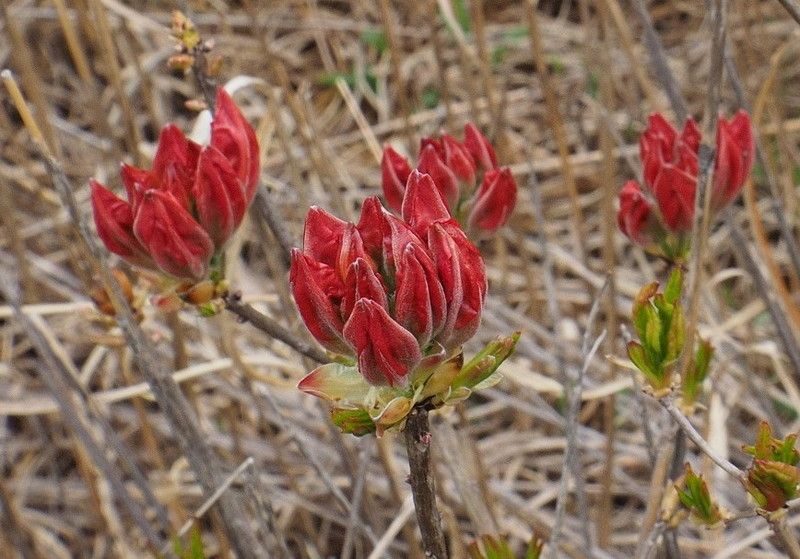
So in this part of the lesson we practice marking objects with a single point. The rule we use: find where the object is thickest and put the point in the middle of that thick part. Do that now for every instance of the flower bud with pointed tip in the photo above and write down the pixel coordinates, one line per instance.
(419, 304)
(734, 158)
(317, 292)
(443, 176)
(635, 217)
(218, 196)
(322, 235)
(479, 147)
(395, 170)
(232, 135)
(175, 241)
(386, 352)
(114, 220)
(459, 160)
(494, 201)
(422, 204)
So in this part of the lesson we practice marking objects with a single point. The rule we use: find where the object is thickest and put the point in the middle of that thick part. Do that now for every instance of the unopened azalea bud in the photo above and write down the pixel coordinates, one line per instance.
(180, 213)
(316, 289)
(175, 241)
(395, 170)
(494, 201)
(635, 217)
(479, 147)
(420, 305)
(386, 352)
(422, 204)
(734, 158)
(443, 177)
(459, 160)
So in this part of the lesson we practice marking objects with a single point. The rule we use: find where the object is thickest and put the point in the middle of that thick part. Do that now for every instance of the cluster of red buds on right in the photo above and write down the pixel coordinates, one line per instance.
(670, 175)
(454, 168)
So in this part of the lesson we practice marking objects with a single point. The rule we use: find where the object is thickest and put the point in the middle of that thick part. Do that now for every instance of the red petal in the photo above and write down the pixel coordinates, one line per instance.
(232, 134)
(387, 353)
(322, 236)
(114, 220)
(218, 196)
(634, 213)
(444, 177)
(674, 190)
(317, 292)
(362, 282)
(422, 204)
(394, 174)
(494, 201)
(479, 147)
(175, 164)
(177, 243)
(419, 304)
(459, 160)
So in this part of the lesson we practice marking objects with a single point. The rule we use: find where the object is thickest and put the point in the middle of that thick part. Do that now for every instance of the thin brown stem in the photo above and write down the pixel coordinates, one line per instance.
(423, 486)
(248, 313)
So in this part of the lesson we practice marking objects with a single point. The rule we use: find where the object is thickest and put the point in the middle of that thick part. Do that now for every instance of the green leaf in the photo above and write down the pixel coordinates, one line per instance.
(637, 354)
(355, 422)
(672, 291)
(675, 336)
(430, 98)
(337, 383)
(535, 547)
(486, 361)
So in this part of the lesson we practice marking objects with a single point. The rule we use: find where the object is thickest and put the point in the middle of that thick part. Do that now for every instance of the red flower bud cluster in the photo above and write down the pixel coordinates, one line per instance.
(670, 161)
(389, 292)
(454, 168)
(182, 211)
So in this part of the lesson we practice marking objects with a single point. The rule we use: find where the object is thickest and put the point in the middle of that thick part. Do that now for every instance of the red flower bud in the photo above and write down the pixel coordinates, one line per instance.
(362, 282)
(186, 207)
(218, 196)
(422, 203)
(458, 159)
(674, 190)
(174, 240)
(394, 174)
(494, 200)
(634, 213)
(443, 176)
(317, 292)
(232, 135)
(735, 151)
(174, 165)
(322, 235)
(463, 277)
(114, 220)
(479, 147)
(387, 353)
(373, 227)
(419, 305)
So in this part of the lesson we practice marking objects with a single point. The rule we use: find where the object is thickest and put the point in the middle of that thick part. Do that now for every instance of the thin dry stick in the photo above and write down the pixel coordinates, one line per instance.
(423, 486)
(557, 125)
(659, 61)
(233, 303)
(793, 7)
(604, 510)
(73, 43)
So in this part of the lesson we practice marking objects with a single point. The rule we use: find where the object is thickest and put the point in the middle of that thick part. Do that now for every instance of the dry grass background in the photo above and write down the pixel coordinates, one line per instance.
(335, 82)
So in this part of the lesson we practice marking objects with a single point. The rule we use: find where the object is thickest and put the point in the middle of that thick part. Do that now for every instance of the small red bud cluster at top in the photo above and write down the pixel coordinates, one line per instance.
(670, 161)
(454, 168)
(180, 213)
